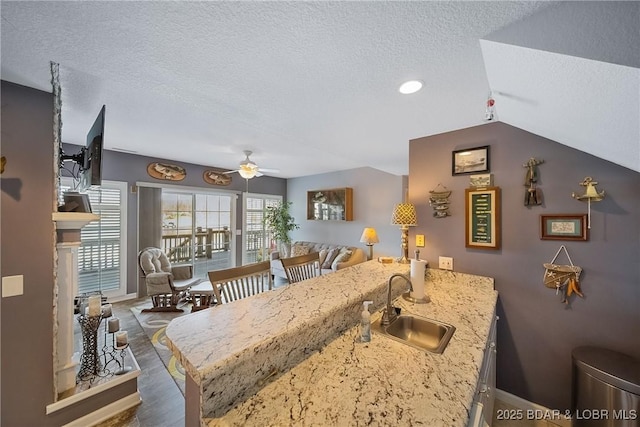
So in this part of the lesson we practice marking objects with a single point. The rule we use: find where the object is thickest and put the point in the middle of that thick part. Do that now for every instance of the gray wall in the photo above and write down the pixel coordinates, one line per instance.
(374, 195)
(536, 333)
(131, 168)
(27, 249)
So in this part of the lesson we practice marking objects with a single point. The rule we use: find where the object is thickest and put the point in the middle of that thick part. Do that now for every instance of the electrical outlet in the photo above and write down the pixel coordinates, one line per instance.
(420, 240)
(445, 263)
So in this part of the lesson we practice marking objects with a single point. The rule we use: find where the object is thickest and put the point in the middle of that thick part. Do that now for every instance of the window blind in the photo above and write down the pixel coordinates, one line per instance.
(99, 255)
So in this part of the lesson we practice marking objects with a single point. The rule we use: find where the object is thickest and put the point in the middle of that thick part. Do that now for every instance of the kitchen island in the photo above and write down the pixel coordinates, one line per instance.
(293, 356)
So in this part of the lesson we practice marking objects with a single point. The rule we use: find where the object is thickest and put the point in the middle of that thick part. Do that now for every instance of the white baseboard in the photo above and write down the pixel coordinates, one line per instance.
(107, 412)
(537, 411)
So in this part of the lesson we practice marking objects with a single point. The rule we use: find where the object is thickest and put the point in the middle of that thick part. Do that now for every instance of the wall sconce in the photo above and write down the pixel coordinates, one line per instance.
(404, 215)
(590, 194)
(369, 237)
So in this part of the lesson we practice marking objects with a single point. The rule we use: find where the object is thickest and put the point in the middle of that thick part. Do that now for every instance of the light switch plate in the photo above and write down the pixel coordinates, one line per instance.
(420, 240)
(12, 286)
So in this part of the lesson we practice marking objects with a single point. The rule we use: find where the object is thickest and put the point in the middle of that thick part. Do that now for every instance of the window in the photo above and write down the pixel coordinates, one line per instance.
(102, 252)
(258, 241)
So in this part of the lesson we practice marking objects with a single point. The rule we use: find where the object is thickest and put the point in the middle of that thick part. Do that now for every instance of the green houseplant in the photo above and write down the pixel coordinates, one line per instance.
(279, 221)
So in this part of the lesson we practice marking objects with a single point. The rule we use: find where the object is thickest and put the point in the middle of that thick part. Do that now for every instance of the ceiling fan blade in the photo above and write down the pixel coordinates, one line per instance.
(269, 170)
(230, 171)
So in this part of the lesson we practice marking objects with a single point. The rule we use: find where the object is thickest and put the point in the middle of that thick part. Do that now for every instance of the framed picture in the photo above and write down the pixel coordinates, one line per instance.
(564, 227)
(484, 180)
(470, 160)
(482, 218)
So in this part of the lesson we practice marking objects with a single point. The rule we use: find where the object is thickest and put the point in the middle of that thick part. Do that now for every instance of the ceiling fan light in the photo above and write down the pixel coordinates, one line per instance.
(412, 86)
(248, 171)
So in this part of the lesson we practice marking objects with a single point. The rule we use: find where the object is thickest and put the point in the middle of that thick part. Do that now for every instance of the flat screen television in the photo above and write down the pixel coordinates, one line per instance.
(89, 162)
(91, 170)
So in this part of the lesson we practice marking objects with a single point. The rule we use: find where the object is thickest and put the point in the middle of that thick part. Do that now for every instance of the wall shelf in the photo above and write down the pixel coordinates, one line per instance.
(335, 204)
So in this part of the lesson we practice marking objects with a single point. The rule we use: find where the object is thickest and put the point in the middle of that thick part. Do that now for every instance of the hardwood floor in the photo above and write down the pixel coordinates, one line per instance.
(162, 402)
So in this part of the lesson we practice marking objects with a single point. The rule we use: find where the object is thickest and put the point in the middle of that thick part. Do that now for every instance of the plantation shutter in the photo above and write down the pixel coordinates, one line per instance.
(257, 239)
(100, 255)
(99, 252)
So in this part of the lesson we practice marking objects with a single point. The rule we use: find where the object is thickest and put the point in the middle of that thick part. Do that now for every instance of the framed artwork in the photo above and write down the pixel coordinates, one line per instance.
(215, 177)
(470, 160)
(482, 218)
(166, 172)
(564, 227)
(484, 180)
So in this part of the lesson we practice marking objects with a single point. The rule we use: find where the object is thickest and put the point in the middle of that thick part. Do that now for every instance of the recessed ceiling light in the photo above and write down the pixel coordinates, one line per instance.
(412, 86)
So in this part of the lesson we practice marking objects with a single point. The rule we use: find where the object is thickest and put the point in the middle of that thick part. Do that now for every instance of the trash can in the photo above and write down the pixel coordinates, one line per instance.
(605, 388)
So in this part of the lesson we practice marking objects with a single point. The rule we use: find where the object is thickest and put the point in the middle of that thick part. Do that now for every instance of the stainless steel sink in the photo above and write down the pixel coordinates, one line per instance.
(416, 331)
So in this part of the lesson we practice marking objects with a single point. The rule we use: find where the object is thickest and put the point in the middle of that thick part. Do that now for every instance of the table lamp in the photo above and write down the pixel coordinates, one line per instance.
(404, 215)
(369, 237)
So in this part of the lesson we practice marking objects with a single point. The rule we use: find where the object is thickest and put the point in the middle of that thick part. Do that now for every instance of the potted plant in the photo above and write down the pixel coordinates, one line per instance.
(280, 222)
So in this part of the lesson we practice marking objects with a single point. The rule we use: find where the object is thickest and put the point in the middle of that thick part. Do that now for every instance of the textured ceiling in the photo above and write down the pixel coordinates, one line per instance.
(311, 87)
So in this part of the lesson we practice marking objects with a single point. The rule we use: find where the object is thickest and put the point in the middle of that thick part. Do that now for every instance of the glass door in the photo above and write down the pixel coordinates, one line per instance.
(258, 241)
(196, 229)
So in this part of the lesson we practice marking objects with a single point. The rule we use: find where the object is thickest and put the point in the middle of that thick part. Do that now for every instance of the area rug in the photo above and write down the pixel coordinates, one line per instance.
(154, 326)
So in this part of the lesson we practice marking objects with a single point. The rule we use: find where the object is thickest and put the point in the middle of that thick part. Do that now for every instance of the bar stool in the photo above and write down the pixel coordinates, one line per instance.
(201, 296)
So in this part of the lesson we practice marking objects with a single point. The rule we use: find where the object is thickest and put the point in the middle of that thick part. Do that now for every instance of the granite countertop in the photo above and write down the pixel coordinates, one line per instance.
(384, 382)
(228, 348)
(293, 355)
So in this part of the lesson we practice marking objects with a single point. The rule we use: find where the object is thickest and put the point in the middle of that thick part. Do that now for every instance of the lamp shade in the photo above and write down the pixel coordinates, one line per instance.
(404, 214)
(369, 236)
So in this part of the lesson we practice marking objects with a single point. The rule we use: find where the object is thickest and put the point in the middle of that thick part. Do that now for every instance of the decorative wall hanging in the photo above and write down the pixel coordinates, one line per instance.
(564, 227)
(533, 195)
(439, 201)
(482, 218)
(481, 181)
(470, 160)
(216, 177)
(590, 194)
(166, 171)
(562, 277)
(3, 161)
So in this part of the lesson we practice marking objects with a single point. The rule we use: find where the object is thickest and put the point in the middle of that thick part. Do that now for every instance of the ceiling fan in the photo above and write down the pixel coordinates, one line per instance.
(249, 169)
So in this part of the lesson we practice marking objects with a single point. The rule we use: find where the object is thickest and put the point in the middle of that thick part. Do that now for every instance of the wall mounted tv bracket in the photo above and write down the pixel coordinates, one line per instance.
(77, 158)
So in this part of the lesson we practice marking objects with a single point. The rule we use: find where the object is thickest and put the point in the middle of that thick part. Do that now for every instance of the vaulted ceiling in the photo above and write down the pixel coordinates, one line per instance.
(312, 87)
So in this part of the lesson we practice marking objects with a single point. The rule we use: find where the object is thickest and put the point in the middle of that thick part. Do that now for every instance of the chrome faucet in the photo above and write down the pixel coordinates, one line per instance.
(389, 314)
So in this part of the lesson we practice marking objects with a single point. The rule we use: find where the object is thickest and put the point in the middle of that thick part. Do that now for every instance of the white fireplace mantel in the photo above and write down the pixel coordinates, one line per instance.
(73, 220)
(68, 225)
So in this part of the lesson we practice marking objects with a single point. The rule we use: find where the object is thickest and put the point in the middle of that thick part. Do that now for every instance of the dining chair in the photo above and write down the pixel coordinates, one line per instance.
(240, 282)
(302, 267)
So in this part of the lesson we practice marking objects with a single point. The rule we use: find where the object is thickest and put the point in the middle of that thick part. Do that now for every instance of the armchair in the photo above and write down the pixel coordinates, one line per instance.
(166, 284)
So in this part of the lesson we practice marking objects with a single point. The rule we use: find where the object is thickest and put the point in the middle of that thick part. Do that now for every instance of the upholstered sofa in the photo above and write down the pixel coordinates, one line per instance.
(342, 256)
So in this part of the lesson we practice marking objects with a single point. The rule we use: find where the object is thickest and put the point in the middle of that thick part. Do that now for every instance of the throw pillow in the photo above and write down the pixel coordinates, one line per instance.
(331, 255)
(322, 255)
(297, 250)
(343, 256)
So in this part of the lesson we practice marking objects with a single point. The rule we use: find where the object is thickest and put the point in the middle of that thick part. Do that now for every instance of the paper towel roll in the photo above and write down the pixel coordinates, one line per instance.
(418, 267)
